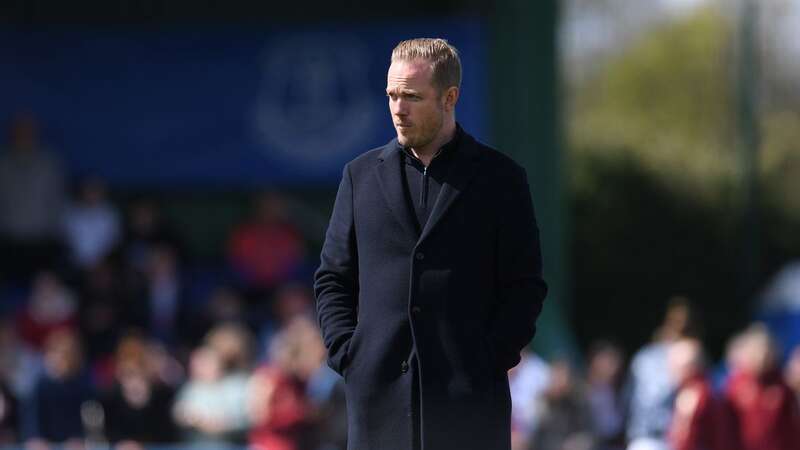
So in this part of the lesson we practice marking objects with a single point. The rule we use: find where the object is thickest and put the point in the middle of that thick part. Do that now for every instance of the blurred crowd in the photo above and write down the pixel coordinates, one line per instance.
(668, 396)
(108, 337)
(110, 334)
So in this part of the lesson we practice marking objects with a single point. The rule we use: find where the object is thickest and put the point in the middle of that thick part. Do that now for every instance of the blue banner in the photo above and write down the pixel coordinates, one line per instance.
(209, 107)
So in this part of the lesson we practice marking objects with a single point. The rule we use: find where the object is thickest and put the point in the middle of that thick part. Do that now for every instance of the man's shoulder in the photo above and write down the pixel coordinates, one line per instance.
(370, 157)
(500, 163)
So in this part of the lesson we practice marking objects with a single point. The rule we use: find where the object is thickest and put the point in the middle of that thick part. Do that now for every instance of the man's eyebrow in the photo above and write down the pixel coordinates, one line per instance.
(402, 91)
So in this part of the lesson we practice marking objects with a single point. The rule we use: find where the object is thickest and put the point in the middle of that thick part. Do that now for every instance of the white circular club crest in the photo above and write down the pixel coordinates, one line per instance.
(314, 103)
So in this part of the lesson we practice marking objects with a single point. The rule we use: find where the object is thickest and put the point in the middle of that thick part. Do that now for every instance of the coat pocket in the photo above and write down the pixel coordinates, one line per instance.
(351, 353)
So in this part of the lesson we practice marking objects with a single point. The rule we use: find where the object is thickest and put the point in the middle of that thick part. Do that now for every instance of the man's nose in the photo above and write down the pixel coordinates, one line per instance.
(400, 108)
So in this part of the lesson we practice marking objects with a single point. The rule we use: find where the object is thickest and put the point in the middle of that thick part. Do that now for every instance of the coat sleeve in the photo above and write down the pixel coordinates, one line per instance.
(336, 279)
(521, 288)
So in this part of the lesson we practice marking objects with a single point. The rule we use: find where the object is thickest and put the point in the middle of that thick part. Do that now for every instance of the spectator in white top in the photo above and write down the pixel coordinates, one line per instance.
(91, 225)
(528, 382)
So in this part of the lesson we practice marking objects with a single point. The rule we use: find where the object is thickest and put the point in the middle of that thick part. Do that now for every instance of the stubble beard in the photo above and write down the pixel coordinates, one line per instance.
(426, 135)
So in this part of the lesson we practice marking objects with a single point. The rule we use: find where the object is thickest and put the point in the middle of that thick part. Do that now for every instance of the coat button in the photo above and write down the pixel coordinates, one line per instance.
(404, 367)
(416, 310)
(420, 256)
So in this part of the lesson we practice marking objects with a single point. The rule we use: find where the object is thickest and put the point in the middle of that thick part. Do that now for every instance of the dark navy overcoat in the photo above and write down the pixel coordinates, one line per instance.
(451, 306)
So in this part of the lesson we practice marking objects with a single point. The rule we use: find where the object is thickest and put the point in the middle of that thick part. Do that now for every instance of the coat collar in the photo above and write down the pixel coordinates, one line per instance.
(390, 181)
(462, 169)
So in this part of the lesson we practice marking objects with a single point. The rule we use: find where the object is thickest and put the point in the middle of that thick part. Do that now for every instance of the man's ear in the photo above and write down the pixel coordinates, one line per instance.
(450, 98)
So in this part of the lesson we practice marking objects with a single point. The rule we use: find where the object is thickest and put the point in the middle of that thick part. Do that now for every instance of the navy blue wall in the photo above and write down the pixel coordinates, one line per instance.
(220, 106)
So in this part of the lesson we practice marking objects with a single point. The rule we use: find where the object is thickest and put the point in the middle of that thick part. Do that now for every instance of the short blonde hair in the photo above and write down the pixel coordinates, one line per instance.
(443, 57)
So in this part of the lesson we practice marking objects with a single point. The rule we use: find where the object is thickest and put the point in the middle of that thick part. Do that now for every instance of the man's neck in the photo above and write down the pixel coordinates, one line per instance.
(426, 153)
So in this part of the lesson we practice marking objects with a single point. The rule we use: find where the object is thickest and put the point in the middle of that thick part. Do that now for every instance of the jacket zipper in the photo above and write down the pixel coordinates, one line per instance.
(424, 192)
(423, 201)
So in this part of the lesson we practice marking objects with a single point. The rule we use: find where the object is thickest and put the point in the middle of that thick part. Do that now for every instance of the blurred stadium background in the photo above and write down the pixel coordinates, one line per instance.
(167, 169)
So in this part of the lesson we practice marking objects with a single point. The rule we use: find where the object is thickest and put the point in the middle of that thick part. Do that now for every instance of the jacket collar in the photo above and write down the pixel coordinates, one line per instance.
(462, 169)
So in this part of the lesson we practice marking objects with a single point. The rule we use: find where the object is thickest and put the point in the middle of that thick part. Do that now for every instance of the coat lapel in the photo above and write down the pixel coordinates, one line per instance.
(465, 166)
(390, 181)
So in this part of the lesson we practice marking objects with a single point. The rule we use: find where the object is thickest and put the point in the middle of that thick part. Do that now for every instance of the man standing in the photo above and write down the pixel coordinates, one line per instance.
(431, 277)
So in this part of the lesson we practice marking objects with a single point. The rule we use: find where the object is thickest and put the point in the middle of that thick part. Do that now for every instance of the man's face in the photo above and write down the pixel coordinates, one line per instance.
(417, 106)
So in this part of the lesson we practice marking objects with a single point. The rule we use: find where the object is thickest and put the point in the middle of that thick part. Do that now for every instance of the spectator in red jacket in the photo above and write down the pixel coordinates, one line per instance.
(792, 372)
(279, 410)
(700, 421)
(766, 412)
(268, 249)
(50, 308)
